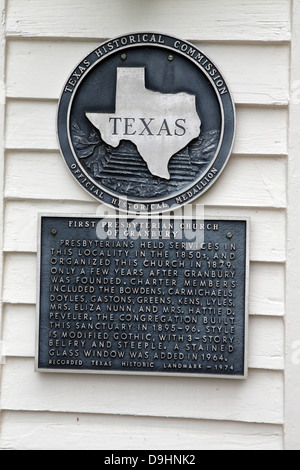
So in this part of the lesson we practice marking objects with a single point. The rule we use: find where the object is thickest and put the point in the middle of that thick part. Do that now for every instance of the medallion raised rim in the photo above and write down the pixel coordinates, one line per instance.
(153, 205)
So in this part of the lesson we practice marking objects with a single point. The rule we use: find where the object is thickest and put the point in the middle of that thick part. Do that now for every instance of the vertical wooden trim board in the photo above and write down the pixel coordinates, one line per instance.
(292, 337)
(2, 156)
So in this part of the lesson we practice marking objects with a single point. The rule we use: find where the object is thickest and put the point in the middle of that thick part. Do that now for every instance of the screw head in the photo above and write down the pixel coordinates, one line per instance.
(170, 58)
(123, 56)
(229, 235)
(54, 231)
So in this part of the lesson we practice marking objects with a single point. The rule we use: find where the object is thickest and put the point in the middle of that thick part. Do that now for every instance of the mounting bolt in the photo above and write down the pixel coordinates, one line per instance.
(123, 56)
(170, 58)
(54, 231)
(229, 235)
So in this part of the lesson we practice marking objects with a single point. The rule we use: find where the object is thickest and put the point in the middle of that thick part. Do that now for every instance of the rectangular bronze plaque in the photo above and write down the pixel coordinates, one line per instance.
(160, 296)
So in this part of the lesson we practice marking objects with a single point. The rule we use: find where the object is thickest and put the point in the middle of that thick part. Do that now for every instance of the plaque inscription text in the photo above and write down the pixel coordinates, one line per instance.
(152, 296)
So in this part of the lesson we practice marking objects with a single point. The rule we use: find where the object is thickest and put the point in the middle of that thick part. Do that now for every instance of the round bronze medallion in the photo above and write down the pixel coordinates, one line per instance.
(146, 123)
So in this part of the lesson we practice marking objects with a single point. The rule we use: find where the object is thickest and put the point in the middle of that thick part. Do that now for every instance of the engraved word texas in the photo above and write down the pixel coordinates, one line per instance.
(160, 125)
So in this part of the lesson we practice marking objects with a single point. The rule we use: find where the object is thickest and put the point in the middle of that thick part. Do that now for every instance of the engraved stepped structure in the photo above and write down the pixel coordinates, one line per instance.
(127, 163)
(123, 169)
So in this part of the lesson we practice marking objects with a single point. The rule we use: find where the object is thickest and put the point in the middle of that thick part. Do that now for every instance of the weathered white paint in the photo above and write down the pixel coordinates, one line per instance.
(2, 159)
(256, 400)
(88, 432)
(234, 20)
(30, 63)
(292, 384)
(250, 41)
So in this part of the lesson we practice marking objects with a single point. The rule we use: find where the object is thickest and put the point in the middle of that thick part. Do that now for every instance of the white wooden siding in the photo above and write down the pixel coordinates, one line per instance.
(265, 83)
(292, 323)
(210, 20)
(2, 157)
(89, 432)
(250, 41)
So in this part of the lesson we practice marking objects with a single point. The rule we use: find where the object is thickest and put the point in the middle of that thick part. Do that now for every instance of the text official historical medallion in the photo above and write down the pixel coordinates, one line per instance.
(146, 123)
